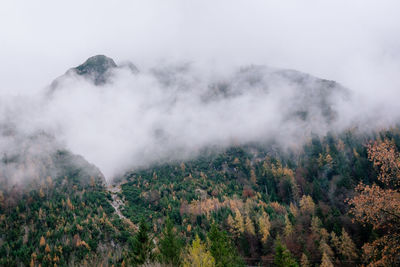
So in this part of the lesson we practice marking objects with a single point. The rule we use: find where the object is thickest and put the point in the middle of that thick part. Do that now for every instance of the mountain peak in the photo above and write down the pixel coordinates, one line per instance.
(96, 67)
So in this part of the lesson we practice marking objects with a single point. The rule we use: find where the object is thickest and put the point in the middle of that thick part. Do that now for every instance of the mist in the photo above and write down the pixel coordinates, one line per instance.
(186, 52)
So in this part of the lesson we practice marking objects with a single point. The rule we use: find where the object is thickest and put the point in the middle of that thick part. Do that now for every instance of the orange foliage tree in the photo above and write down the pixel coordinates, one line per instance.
(379, 205)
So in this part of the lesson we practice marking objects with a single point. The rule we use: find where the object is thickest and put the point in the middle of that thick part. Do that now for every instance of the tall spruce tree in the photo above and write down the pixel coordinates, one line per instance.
(170, 245)
(283, 257)
(221, 248)
(141, 246)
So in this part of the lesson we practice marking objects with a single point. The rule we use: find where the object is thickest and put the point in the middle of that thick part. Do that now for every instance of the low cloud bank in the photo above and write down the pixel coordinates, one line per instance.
(171, 112)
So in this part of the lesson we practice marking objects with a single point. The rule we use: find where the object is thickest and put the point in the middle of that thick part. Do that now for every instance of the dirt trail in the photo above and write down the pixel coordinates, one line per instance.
(116, 202)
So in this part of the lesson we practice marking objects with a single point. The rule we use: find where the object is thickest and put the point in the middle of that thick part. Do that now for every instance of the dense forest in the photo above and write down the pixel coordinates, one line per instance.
(332, 202)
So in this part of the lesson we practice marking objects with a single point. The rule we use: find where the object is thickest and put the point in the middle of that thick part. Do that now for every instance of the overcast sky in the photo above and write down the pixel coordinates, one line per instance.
(332, 39)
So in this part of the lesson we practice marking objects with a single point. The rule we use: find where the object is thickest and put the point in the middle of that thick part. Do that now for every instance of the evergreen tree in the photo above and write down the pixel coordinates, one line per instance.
(221, 248)
(283, 257)
(141, 245)
(170, 246)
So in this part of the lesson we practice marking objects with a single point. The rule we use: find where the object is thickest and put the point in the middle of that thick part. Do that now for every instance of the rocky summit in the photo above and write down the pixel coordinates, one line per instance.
(96, 68)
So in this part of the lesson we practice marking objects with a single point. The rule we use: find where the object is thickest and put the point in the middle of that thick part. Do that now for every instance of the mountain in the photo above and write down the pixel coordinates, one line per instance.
(308, 98)
(300, 102)
(97, 69)
(251, 203)
(28, 159)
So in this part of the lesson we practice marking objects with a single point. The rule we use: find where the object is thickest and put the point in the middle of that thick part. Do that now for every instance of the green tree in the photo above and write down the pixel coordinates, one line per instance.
(141, 245)
(221, 248)
(283, 257)
(170, 245)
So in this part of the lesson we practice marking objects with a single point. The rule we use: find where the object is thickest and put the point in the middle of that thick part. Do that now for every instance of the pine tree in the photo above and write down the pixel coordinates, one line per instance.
(307, 205)
(236, 224)
(283, 257)
(42, 241)
(170, 246)
(221, 248)
(335, 241)
(141, 246)
(325, 248)
(304, 262)
(253, 177)
(326, 261)
(47, 249)
(264, 225)
(249, 226)
(347, 247)
(288, 227)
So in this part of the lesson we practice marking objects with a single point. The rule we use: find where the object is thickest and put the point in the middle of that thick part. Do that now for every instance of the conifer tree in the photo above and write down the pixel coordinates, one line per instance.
(304, 262)
(198, 255)
(42, 241)
(141, 245)
(170, 246)
(347, 247)
(221, 248)
(283, 257)
(264, 226)
(249, 226)
(326, 261)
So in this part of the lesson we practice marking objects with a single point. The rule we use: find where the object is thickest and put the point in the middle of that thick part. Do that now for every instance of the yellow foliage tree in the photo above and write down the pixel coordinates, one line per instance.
(42, 241)
(197, 255)
(69, 204)
(183, 167)
(316, 225)
(41, 193)
(231, 222)
(347, 247)
(335, 241)
(307, 205)
(253, 177)
(326, 261)
(236, 224)
(294, 210)
(264, 225)
(288, 227)
(304, 262)
(249, 226)
(239, 224)
(41, 214)
(325, 248)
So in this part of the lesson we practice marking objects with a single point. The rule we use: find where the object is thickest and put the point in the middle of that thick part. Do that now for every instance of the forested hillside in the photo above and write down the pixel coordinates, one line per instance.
(271, 206)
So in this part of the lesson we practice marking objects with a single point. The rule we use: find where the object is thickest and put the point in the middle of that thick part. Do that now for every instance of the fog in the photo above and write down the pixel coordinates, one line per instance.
(138, 119)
